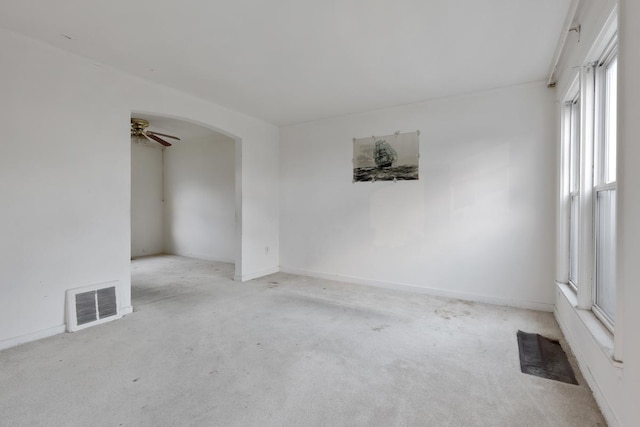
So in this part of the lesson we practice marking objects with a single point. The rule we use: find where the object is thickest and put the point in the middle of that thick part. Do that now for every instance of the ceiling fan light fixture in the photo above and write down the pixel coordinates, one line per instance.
(138, 126)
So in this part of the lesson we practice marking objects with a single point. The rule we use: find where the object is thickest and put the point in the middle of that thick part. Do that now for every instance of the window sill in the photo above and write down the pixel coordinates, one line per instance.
(600, 334)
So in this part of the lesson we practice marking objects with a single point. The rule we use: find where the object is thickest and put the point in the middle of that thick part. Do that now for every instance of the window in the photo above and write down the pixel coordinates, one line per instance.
(605, 188)
(589, 185)
(573, 140)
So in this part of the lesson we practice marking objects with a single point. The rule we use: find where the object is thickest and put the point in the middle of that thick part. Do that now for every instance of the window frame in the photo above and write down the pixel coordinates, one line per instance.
(601, 176)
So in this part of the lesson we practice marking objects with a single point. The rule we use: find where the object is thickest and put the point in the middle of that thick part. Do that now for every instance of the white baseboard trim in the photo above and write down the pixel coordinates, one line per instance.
(33, 336)
(126, 310)
(467, 296)
(255, 275)
(578, 351)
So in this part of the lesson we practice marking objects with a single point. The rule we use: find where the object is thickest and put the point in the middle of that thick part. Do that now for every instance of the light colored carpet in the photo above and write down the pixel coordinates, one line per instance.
(285, 350)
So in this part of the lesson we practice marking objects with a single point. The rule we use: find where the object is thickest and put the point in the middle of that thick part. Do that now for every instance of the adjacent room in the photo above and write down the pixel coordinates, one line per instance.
(183, 198)
(307, 213)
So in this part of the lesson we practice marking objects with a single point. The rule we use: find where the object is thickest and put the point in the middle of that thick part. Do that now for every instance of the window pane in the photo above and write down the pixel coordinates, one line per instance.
(574, 147)
(609, 154)
(573, 240)
(605, 252)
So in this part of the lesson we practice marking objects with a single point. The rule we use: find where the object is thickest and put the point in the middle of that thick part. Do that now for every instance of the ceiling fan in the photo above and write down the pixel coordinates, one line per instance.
(139, 130)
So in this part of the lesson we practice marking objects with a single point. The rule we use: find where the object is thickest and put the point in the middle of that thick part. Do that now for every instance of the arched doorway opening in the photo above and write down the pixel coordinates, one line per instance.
(185, 198)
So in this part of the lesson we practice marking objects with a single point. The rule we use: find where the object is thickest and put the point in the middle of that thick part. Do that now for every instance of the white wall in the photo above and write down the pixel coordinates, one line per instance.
(147, 207)
(628, 248)
(200, 198)
(65, 180)
(478, 224)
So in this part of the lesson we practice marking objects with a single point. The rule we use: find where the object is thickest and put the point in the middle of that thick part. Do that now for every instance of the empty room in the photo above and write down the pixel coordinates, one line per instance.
(358, 213)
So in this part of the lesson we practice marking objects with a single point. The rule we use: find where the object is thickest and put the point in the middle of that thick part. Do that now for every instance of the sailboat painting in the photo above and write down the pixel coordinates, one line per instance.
(386, 158)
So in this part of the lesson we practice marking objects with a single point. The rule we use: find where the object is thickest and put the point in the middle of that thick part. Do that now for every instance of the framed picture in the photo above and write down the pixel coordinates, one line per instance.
(386, 158)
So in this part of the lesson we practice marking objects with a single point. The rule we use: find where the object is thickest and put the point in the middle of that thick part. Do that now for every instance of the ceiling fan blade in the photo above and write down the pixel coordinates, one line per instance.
(156, 139)
(163, 134)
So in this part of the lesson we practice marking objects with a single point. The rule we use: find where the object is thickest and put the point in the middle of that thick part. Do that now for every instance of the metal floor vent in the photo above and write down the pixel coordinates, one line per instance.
(91, 305)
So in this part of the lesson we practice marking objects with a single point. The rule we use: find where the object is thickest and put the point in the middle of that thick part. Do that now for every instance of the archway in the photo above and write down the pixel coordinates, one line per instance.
(186, 198)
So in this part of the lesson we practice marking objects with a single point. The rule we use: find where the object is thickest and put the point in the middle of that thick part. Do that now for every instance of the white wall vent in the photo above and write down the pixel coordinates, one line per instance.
(92, 305)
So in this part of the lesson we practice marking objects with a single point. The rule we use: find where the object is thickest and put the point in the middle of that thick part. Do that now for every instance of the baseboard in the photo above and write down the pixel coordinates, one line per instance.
(33, 336)
(45, 333)
(255, 275)
(585, 368)
(530, 305)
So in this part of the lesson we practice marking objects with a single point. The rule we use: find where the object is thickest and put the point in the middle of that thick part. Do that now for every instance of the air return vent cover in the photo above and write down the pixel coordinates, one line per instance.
(92, 305)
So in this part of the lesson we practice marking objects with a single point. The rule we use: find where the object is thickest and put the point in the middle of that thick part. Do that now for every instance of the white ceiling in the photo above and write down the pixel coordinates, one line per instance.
(290, 61)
